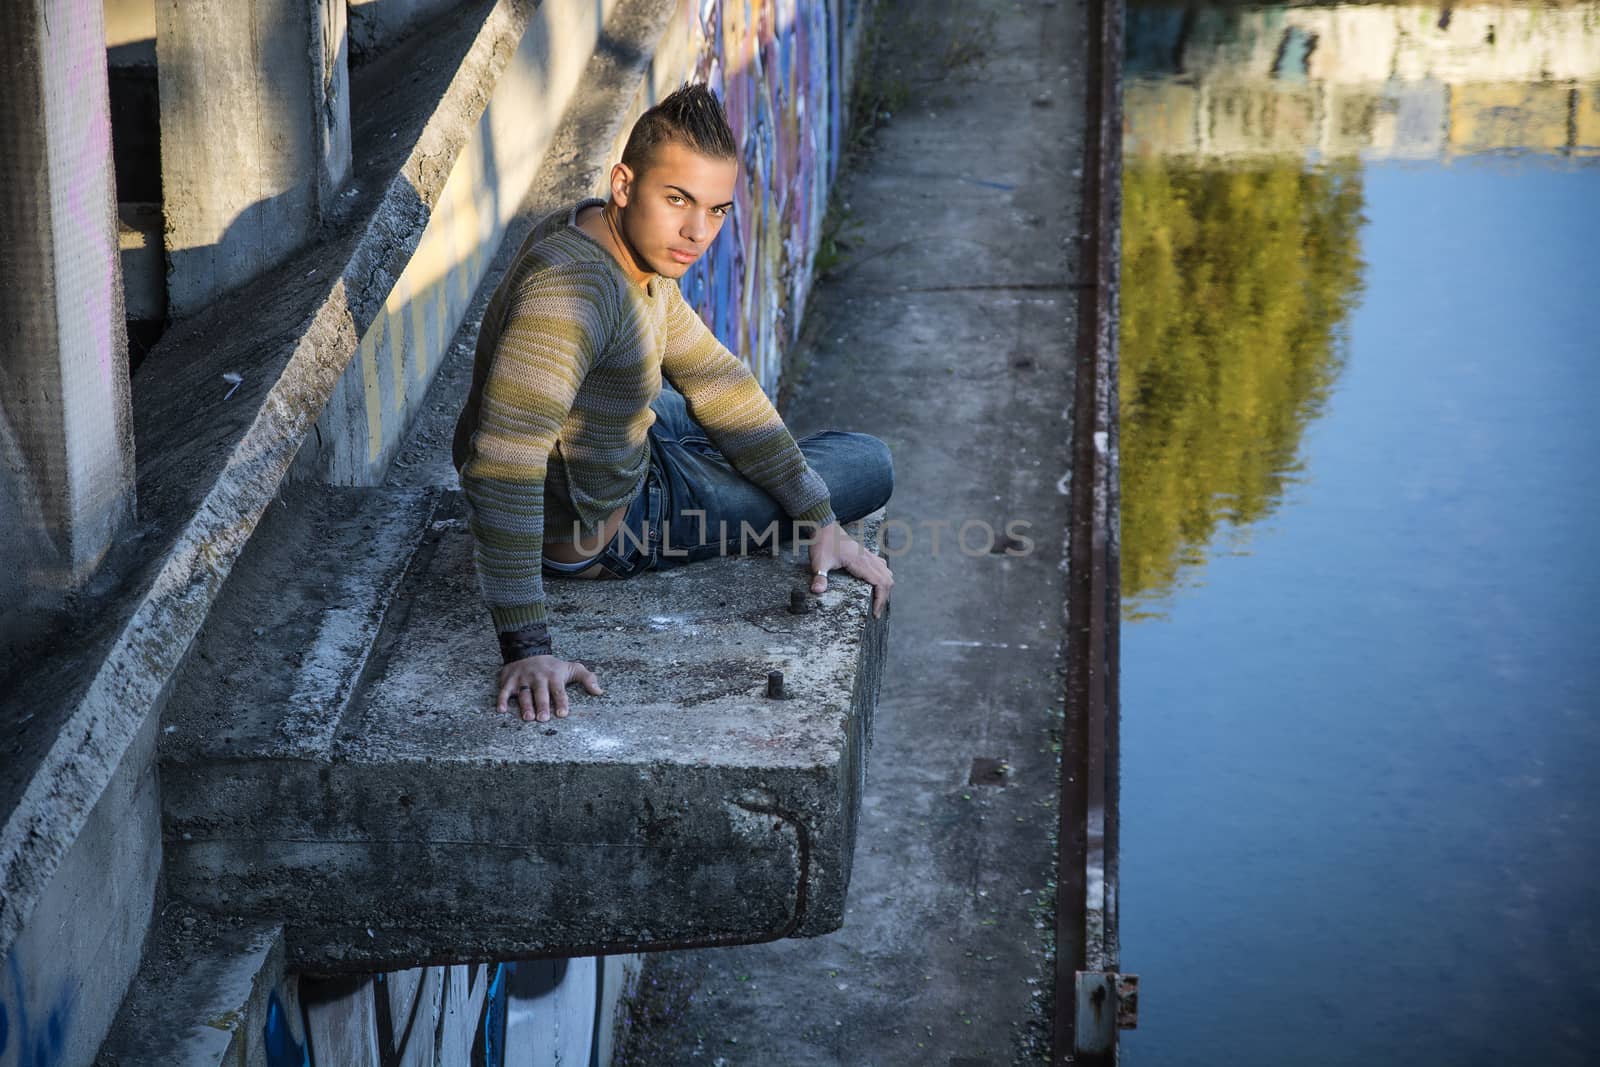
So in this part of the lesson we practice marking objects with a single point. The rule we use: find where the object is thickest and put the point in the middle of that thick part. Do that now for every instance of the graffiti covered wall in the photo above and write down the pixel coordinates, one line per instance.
(780, 67)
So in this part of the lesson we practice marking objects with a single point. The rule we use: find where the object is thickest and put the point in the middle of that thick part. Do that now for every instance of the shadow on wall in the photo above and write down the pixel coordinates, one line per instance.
(251, 246)
(375, 25)
(277, 167)
(30, 564)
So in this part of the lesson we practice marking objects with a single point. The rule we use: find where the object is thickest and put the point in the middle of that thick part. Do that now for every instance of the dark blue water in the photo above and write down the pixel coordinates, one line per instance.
(1361, 732)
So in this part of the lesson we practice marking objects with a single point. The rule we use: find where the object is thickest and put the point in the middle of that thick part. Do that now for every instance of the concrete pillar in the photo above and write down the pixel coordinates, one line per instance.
(255, 135)
(66, 438)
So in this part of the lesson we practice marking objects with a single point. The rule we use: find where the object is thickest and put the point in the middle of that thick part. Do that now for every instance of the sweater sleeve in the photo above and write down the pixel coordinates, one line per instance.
(725, 398)
(555, 328)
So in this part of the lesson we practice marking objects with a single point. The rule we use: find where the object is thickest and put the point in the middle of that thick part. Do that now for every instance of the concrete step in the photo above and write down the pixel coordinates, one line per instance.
(332, 759)
(209, 991)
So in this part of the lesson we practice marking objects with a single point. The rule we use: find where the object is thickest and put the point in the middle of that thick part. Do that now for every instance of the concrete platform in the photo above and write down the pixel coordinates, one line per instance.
(332, 760)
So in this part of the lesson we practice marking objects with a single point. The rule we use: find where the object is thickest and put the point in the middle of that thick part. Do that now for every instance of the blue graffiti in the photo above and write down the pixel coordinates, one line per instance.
(494, 1017)
(282, 1048)
(42, 1048)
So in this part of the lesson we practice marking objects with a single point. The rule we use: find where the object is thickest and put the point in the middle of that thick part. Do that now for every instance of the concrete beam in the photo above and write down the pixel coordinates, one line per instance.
(365, 793)
(255, 135)
(65, 423)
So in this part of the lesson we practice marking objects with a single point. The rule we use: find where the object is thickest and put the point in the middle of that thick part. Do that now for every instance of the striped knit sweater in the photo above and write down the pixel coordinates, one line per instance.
(554, 434)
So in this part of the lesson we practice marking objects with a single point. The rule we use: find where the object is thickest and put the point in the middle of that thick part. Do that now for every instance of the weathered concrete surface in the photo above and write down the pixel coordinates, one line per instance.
(211, 459)
(381, 808)
(81, 946)
(947, 328)
(255, 136)
(208, 993)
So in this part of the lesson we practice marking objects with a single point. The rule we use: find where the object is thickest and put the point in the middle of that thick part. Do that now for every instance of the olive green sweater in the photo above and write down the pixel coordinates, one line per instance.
(554, 434)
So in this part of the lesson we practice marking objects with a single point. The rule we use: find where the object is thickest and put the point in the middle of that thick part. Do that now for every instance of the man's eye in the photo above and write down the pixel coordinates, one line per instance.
(720, 212)
(674, 199)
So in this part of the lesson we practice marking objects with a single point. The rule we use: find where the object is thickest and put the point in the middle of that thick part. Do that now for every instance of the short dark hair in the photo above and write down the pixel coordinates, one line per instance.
(690, 115)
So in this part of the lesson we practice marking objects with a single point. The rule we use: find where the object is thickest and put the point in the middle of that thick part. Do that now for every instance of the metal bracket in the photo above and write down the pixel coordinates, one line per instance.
(1106, 1002)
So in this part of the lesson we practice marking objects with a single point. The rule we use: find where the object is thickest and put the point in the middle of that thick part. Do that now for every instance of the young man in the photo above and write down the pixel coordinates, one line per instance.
(577, 458)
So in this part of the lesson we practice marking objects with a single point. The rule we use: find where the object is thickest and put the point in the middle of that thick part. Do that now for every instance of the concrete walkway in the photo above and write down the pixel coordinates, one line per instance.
(946, 327)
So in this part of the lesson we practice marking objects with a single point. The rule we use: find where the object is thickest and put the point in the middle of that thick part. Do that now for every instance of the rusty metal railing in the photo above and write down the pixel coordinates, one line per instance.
(1092, 998)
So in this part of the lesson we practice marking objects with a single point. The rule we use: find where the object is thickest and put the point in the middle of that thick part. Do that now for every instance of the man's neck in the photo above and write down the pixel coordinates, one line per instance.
(592, 221)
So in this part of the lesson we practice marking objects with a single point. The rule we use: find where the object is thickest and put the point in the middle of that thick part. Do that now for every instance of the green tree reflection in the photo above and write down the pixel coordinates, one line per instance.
(1235, 287)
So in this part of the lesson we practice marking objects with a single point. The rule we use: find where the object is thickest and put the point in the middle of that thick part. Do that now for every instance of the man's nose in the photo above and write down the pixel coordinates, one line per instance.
(695, 227)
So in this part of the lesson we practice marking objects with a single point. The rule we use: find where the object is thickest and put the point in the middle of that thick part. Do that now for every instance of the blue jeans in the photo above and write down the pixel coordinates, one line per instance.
(695, 505)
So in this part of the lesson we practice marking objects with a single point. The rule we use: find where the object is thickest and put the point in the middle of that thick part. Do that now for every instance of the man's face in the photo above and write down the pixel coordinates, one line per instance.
(673, 211)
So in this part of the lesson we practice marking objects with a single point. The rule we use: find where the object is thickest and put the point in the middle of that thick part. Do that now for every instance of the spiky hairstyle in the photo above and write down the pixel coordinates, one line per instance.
(690, 115)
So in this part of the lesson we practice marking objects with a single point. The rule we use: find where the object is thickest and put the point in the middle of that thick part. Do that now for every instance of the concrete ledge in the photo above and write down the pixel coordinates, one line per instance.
(390, 818)
(210, 992)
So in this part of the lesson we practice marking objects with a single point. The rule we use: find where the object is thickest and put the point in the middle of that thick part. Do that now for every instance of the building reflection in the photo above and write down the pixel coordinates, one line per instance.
(1374, 81)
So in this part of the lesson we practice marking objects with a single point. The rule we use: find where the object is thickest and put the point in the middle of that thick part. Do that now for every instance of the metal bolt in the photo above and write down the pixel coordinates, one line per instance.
(799, 604)
(775, 685)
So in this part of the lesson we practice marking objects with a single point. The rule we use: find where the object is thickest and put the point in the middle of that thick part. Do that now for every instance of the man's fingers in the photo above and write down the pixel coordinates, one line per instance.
(819, 581)
(560, 693)
(525, 701)
(590, 682)
(541, 700)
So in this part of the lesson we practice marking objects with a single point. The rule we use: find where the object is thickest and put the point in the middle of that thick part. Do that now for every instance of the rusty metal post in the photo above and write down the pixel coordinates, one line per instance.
(1087, 953)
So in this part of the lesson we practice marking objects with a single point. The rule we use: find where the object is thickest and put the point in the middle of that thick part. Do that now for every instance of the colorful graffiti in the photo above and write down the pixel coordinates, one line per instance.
(778, 66)
(489, 1015)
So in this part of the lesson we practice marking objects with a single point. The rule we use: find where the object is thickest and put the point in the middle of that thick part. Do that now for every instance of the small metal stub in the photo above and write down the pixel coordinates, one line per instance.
(775, 685)
(799, 602)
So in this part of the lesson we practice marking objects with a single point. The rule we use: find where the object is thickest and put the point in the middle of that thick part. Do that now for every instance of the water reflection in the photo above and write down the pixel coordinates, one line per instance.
(1374, 81)
(1360, 817)
(1235, 284)
(1246, 132)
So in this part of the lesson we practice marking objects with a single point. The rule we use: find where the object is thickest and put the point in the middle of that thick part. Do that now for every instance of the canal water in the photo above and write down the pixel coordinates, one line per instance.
(1360, 363)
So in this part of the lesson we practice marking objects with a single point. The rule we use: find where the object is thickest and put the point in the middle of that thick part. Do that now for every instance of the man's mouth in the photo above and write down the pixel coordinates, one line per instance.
(681, 256)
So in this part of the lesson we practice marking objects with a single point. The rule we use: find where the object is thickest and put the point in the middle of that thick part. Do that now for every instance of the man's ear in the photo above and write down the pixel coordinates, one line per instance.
(621, 183)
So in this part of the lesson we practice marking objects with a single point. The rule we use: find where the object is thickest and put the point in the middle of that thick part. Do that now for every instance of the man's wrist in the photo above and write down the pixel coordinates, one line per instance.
(530, 640)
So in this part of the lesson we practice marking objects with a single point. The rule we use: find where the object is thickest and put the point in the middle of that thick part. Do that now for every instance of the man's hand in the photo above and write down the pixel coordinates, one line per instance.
(540, 685)
(833, 548)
